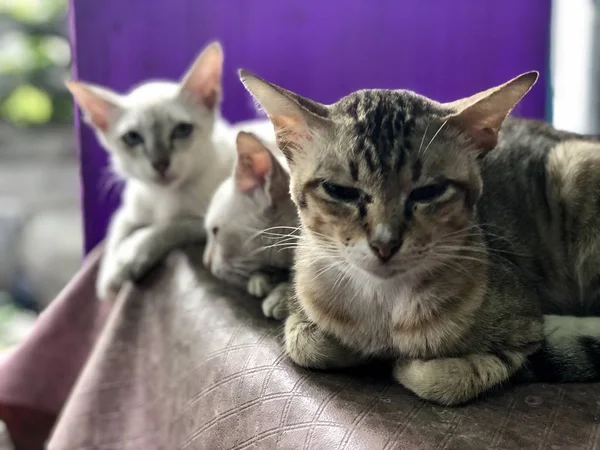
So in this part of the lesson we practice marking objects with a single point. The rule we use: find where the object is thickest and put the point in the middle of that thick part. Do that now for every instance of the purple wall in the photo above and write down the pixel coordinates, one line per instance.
(444, 49)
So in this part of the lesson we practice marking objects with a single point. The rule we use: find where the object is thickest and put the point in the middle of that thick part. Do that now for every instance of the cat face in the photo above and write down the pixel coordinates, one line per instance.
(157, 132)
(387, 181)
(253, 199)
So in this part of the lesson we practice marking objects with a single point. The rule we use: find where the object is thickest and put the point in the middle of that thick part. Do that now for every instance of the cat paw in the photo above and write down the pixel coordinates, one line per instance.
(140, 266)
(310, 347)
(275, 305)
(413, 374)
(137, 256)
(259, 285)
(109, 285)
(436, 381)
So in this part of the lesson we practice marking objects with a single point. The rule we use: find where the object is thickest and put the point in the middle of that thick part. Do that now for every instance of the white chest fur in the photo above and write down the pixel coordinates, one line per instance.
(385, 317)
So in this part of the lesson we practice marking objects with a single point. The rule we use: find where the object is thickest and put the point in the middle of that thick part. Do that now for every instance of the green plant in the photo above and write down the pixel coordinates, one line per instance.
(34, 62)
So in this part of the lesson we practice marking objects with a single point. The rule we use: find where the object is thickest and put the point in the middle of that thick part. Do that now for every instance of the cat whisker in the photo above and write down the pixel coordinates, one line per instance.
(453, 265)
(281, 243)
(273, 239)
(324, 269)
(280, 227)
(278, 235)
(490, 237)
(465, 258)
(458, 232)
(287, 245)
(434, 136)
(480, 249)
(423, 139)
(342, 275)
(269, 233)
(281, 237)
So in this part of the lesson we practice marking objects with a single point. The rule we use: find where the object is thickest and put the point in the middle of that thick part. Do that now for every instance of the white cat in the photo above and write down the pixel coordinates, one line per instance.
(168, 142)
(248, 219)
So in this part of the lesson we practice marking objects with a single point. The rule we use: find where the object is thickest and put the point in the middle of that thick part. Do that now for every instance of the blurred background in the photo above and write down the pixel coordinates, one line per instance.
(40, 220)
(40, 216)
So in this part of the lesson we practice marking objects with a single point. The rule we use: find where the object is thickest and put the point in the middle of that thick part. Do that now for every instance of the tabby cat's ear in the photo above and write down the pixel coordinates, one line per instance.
(296, 119)
(482, 114)
(97, 103)
(202, 82)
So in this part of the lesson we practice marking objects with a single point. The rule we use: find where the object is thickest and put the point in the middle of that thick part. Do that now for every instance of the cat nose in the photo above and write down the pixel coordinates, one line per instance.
(161, 165)
(384, 250)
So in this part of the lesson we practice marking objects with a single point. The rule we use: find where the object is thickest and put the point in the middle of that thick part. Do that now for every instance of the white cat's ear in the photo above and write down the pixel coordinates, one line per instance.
(253, 162)
(296, 119)
(202, 82)
(97, 103)
(482, 114)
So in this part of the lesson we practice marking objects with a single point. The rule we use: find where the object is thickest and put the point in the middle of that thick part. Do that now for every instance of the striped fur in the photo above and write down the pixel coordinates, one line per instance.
(446, 237)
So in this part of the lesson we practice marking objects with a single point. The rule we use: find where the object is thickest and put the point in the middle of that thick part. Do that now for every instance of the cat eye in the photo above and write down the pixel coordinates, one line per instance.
(341, 193)
(428, 193)
(215, 230)
(182, 130)
(132, 138)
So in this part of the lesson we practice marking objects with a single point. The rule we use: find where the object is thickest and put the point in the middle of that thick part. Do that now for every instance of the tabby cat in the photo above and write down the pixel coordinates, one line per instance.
(439, 236)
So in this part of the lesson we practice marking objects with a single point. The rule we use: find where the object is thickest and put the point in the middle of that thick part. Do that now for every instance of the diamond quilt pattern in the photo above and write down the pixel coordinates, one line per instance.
(187, 363)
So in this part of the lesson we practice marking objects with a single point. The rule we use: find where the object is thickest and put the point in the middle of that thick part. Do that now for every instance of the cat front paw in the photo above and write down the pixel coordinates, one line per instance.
(137, 256)
(109, 283)
(275, 305)
(259, 285)
(310, 347)
(140, 266)
(457, 380)
(429, 381)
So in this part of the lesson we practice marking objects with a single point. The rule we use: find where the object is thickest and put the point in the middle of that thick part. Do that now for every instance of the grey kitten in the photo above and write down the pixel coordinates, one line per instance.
(436, 236)
(250, 225)
(167, 140)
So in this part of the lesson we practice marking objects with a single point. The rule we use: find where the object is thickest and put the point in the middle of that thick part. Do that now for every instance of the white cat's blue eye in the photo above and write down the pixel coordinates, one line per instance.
(132, 138)
(182, 130)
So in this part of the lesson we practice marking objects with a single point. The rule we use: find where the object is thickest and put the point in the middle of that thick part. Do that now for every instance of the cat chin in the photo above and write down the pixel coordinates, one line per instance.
(167, 181)
(379, 271)
(385, 273)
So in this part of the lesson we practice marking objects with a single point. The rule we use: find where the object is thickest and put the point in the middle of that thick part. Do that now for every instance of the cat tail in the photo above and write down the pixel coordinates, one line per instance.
(570, 351)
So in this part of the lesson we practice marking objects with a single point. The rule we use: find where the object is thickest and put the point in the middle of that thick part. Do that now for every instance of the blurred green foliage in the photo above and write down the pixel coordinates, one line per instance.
(34, 62)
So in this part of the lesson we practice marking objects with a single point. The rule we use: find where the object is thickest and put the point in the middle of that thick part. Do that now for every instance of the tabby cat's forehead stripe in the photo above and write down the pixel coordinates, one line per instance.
(362, 209)
(383, 124)
(416, 169)
(368, 158)
(353, 170)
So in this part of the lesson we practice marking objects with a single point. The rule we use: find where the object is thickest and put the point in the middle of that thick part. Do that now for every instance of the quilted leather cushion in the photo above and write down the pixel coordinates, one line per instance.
(187, 363)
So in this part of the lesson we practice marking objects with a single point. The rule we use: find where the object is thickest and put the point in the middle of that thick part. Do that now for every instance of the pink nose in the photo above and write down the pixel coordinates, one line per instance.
(385, 250)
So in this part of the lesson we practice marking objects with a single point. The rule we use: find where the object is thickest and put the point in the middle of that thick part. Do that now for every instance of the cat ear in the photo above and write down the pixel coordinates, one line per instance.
(295, 118)
(253, 162)
(482, 114)
(258, 167)
(98, 104)
(202, 82)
